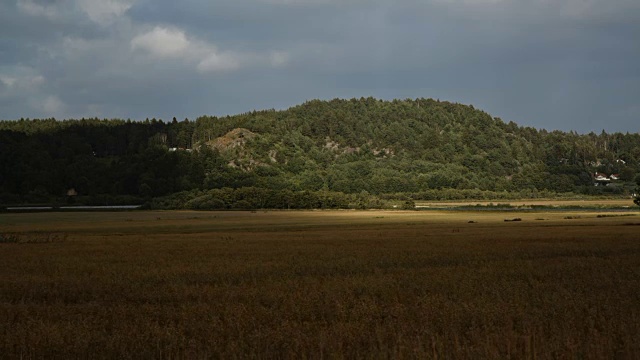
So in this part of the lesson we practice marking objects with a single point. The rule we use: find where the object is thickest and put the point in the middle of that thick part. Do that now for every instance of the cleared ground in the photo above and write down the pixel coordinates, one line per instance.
(320, 284)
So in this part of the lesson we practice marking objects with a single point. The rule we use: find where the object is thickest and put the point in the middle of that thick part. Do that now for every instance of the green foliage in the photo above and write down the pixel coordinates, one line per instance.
(420, 146)
(245, 198)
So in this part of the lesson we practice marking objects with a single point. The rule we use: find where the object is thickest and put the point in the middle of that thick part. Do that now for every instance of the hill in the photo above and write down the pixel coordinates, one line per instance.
(422, 148)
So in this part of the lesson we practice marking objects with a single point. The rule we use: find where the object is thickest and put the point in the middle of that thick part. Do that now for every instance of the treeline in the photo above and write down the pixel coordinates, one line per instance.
(251, 198)
(418, 149)
(248, 198)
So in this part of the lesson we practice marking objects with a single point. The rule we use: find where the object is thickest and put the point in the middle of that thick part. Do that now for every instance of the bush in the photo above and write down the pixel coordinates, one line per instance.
(409, 205)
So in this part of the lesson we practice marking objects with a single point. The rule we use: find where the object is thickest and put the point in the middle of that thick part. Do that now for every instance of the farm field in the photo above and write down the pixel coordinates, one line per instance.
(320, 284)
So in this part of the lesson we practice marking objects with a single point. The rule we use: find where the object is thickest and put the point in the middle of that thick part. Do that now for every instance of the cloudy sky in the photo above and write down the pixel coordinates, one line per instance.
(553, 64)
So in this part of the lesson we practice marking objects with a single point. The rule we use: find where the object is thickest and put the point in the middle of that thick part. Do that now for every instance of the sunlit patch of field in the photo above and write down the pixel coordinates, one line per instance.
(591, 203)
(321, 284)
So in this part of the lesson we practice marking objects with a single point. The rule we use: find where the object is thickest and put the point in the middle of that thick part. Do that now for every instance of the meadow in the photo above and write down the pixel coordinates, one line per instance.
(320, 284)
(589, 203)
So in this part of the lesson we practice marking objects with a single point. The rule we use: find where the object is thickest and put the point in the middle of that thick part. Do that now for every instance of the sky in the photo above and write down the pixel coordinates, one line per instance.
(552, 64)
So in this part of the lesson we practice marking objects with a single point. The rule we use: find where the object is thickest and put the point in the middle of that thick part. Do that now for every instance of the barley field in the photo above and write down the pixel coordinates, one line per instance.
(320, 284)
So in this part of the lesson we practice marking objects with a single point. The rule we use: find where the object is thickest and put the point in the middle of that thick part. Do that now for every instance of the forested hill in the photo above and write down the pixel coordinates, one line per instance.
(419, 148)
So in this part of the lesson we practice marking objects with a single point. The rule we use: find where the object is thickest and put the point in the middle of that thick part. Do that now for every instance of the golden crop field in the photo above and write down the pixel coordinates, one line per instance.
(320, 284)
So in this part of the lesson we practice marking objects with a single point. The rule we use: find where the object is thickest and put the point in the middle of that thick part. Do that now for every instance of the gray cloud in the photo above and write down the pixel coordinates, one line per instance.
(569, 64)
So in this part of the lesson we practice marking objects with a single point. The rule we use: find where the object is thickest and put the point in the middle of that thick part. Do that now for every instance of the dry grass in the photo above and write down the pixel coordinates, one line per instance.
(340, 284)
(589, 203)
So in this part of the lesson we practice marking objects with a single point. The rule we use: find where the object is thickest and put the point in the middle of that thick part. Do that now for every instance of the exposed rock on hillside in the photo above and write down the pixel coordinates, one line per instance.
(233, 139)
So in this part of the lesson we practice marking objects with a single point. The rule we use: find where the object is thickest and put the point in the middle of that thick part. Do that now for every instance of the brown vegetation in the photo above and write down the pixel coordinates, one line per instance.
(234, 138)
(587, 203)
(320, 284)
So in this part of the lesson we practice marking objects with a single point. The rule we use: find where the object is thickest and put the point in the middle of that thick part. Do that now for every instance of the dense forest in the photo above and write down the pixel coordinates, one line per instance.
(338, 153)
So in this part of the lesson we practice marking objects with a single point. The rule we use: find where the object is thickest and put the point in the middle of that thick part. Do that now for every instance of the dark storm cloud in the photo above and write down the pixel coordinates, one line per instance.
(566, 65)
